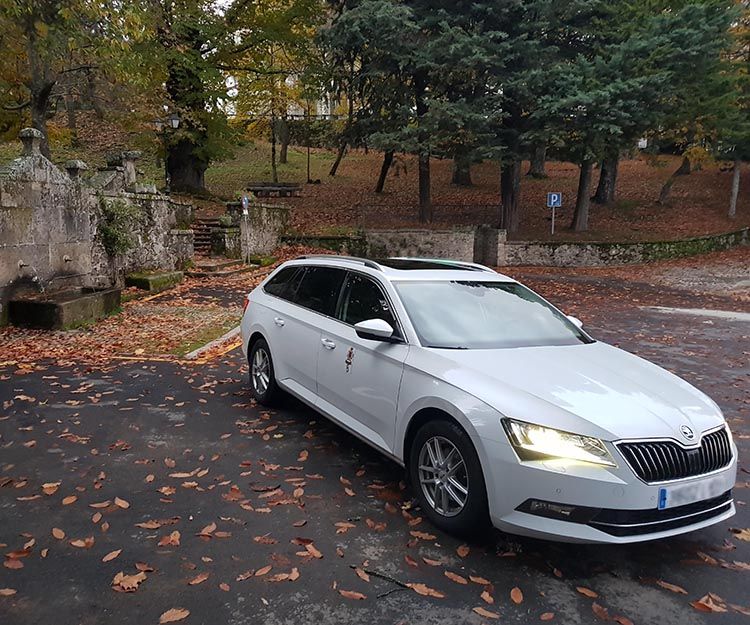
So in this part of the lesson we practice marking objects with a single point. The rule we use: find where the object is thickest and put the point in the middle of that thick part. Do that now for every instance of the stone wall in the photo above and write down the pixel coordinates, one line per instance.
(261, 228)
(50, 226)
(597, 254)
(457, 244)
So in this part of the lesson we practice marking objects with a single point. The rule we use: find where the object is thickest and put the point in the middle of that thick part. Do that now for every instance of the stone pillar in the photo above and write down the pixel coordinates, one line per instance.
(75, 168)
(128, 164)
(31, 139)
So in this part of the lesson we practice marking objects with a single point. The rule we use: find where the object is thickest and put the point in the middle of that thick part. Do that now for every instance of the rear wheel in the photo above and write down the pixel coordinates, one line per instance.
(262, 379)
(446, 474)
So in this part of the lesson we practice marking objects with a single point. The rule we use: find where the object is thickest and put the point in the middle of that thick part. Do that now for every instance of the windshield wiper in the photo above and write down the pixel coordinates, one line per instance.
(446, 346)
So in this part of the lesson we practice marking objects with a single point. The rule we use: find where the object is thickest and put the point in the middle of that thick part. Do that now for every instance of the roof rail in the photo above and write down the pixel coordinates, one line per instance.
(459, 264)
(365, 261)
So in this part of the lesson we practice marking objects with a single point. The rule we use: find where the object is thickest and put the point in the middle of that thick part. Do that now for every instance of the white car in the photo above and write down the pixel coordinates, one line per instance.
(500, 407)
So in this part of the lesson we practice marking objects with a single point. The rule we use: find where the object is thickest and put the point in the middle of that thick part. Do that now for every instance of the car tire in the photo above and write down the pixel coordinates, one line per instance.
(262, 377)
(473, 516)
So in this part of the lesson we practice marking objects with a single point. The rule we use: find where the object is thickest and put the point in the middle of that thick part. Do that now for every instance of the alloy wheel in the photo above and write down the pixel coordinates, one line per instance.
(443, 476)
(261, 371)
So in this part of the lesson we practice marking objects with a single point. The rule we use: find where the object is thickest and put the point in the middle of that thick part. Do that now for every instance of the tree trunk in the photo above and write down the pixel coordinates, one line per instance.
(583, 201)
(284, 135)
(384, 169)
(736, 171)
(39, 108)
(186, 170)
(339, 156)
(510, 186)
(70, 112)
(91, 93)
(682, 170)
(538, 161)
(461, 171)
(274, 172)
(425, 201)
(605, 190)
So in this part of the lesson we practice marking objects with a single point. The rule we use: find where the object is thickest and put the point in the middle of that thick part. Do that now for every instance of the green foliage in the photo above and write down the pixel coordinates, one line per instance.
(116, 225)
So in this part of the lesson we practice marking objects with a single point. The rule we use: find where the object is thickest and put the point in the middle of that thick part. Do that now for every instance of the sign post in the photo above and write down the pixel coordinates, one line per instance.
(554, 201)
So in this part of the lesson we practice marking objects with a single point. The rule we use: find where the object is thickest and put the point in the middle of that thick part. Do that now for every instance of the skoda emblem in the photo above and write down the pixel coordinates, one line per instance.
(687, 432)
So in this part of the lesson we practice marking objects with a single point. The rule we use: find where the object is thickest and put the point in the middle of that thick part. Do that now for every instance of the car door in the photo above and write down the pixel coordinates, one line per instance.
(359, 379)
(294, 330)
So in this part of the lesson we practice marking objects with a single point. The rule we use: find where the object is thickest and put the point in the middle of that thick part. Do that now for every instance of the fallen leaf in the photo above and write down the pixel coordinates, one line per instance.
(83, 543)
(672, 587)
(479, 580)
(263, 570)
(58, 533)
(69, 500)
(422, 535)
(200, 578)
(455, 577)
(600, 612)
(127, 583)
(622, 620)
(742, 534)
(587, 592)
(486, 613)
(351, 594)
(224, 586)
(426, 591)
(121, 503)
(313, 551)
(172, 539)
(547, 616)
(174, 614)
(462, 550)
(7, 592)
(50, 488)
(111, 555)
(362, 574)
(709, 603)
(516, 596)
(487, 597)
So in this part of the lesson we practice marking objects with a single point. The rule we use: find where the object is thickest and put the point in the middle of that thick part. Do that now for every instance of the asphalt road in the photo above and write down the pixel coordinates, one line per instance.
(180, 448)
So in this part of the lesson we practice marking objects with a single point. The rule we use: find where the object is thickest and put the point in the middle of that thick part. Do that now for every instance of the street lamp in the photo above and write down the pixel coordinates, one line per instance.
(162, 126)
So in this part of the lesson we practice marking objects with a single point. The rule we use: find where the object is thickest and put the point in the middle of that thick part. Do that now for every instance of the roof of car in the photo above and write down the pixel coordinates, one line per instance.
(406, 268)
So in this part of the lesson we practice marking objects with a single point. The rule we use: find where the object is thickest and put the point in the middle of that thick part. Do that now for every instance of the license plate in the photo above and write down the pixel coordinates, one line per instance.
(684, 494)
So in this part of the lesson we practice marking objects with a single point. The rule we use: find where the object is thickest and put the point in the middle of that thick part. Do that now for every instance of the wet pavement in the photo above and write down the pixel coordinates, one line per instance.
(122, 459)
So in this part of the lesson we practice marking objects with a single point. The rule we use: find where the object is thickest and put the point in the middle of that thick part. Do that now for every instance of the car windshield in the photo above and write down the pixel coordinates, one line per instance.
(463, 314)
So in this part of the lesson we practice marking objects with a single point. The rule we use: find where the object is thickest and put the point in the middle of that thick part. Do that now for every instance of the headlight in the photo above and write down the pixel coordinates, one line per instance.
(534, 441)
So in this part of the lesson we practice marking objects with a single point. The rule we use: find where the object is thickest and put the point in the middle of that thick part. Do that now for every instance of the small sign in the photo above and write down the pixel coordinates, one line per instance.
(245, 202)
(554, 199)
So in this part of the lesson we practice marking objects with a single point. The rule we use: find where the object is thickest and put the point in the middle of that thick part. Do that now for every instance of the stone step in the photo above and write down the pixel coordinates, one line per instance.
(217, 265)
(198, 273)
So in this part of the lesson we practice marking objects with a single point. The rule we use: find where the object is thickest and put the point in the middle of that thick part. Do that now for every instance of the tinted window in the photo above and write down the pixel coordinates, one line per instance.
(284, 283)
(364, 300)
(320, 288)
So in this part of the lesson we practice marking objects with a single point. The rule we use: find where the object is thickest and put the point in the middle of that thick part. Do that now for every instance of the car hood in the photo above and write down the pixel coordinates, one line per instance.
(592, 389)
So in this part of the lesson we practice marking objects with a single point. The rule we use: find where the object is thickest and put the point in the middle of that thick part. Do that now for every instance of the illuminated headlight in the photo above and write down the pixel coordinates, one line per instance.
(533, 442)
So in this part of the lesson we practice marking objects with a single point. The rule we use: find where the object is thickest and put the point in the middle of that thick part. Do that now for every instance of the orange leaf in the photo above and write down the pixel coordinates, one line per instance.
(263, 570)
(587, 592)
(69, 500)
(422, 535)
(486, 613)
(174, 614)
(455, 577)
(58, 533)
(111, 555)
(351, 594)
(547, 616)
(600, 612)
(362, 574)
(313, 551)
(487, 597)
(516, 596)
(121, 503)
(224, 586)
(462, 551)
(426, 591)
(672, 587)
(200, 578)
(7, 592)
(479, 580)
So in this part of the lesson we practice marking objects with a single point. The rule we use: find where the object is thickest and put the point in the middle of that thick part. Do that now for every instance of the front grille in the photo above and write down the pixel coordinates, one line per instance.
(662, 461)
(639, 522)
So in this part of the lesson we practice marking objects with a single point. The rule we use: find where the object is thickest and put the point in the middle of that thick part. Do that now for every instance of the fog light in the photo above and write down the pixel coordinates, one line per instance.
(559, 511)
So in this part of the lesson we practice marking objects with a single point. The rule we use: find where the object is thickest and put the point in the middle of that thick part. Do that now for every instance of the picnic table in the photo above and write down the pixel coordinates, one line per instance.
(275, 189)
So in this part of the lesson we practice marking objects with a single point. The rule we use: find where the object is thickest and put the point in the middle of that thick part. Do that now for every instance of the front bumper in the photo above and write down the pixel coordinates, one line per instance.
(610, 505)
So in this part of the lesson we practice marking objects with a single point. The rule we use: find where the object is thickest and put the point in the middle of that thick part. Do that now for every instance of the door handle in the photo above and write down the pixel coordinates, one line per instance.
(328, 343)
(278, 321)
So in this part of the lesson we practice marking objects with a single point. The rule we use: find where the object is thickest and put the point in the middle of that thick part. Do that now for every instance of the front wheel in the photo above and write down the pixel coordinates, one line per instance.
(446, 474)
(262, 378)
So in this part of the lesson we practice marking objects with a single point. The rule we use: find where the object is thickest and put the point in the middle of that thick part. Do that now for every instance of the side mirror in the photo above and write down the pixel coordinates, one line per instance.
(575, 321)
(374, 330)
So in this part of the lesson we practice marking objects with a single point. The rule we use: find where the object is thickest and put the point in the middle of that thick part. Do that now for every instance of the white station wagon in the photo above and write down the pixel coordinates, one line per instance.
(501, 408)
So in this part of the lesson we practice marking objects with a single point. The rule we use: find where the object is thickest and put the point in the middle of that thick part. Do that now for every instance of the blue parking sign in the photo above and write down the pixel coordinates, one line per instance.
(554, 199)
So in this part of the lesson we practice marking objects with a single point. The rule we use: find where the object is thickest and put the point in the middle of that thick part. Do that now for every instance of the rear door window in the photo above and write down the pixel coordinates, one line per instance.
(319, 290)
(285, 283)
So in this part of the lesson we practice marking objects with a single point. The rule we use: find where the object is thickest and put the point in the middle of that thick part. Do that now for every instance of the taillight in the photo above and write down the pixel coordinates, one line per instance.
(245, 304)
